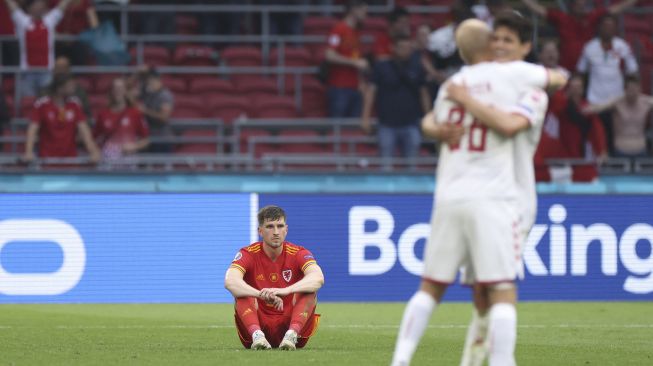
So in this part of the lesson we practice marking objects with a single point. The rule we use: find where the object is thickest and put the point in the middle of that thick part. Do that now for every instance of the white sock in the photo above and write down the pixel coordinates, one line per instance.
(503, 334)
(416, 318)
(476, 332)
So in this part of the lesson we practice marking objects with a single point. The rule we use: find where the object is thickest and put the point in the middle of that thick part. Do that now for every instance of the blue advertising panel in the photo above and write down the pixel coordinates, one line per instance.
(581, 248)
(119, 247)
(176, 247)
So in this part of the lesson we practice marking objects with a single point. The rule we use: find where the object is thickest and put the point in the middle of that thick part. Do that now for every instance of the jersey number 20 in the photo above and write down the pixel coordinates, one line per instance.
(477, 131)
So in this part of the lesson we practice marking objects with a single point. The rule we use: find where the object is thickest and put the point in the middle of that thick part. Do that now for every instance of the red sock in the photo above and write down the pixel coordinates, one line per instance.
(303, 308)
(246, 311)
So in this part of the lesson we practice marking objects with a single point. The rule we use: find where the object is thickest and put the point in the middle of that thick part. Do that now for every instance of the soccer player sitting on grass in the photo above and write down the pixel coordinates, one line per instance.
(275, 285)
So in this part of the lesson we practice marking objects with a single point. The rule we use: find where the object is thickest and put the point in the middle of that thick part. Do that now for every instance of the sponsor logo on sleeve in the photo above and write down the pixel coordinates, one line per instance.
(238, 256)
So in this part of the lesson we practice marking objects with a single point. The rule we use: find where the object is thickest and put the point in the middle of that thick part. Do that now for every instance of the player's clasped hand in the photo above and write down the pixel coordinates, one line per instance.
(272, 296)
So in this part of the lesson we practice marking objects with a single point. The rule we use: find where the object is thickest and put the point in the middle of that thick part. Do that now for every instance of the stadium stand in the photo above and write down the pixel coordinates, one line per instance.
(253, 85)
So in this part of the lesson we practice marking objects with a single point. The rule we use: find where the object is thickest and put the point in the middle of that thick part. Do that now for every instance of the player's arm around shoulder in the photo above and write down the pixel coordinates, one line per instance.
(505, 123)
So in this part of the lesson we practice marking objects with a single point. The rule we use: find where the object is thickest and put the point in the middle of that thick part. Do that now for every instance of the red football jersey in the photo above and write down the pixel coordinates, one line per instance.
(260, 272)
(119, 128)
(345, 41)
(57, 126)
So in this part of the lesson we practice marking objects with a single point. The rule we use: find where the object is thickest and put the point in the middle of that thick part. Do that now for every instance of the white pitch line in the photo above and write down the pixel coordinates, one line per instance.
(332, 326)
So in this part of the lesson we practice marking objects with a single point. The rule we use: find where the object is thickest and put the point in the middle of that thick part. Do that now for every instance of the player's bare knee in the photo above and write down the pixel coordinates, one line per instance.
(504, 292)
(436, 290)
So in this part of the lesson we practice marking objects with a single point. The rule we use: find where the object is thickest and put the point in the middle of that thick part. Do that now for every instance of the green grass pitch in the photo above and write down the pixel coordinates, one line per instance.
(350, 334)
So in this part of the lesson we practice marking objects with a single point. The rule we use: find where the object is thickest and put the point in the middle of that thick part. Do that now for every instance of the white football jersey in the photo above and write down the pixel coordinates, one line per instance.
(533, 106)
(483, 166)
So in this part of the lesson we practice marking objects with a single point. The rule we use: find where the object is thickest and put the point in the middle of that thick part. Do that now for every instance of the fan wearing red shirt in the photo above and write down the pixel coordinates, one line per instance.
(56, 120)
(576, 27)
(275, 285)
(576, 129)
(120, 129)
(346, 63)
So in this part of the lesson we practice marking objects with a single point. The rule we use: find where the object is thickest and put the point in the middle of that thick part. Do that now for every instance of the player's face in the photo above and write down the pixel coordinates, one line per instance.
(506, 46)
(274, 232)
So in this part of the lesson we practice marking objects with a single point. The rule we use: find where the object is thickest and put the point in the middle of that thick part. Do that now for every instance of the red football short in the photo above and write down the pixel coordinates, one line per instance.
(275, 327)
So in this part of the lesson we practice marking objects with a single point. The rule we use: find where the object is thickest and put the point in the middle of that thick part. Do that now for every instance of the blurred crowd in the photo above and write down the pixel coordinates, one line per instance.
(602, 112)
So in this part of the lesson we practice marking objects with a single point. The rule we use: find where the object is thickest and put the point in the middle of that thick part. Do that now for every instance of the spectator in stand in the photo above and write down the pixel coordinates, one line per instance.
(120, 129)
(442, 44)
(35, 34)
(398, 88)
(549, 56)
(631, 118)
(346, 63)
(157, 105)
(57, 119)
(577, 26)
(398, 26)
(581, 135)
(62, 67)
(603, 58)
(79, 17)
(9, 49)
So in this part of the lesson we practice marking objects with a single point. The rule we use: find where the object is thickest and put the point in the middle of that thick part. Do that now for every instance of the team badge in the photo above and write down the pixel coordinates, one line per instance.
(287, 275)
(238, 256)
(274, 277)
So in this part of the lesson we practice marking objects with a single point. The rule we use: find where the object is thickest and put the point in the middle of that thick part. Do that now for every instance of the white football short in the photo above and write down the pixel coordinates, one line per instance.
(482, 236)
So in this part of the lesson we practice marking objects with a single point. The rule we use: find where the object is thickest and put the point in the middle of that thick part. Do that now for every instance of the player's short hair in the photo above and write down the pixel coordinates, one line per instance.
(396, 14)
(516, 22)
(270, 213)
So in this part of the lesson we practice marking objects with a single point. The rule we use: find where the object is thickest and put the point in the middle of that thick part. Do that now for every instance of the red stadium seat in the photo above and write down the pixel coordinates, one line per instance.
(189, 55)
(189, 101)
(258, 148)
(375, 25)
(256, 85)
(177, 85)
(198, 147)
(317, 25)
(187, 112)
(302, 148)
(275, 107)
(104, 82)
(242, 56)
(8, 84)
(228, 108)
(292, 56)
(186, 24)
(152, 55)
(86, 83)
(201, 85)
(7, 147)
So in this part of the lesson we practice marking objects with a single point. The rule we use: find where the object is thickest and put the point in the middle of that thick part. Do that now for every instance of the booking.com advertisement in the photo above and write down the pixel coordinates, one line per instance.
(103, 248)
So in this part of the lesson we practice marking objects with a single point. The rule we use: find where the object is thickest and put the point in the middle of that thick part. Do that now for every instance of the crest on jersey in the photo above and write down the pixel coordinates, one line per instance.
(238, 256)
(287, 275)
